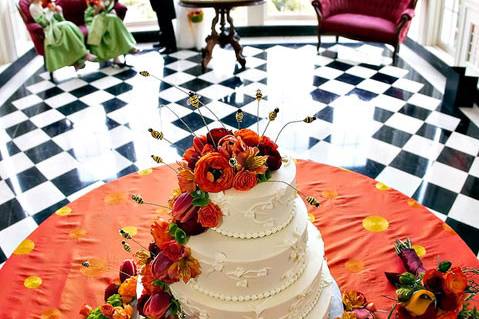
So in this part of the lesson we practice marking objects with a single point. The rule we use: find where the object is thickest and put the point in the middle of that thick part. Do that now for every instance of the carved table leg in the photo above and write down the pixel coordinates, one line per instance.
(233, 39)
(211, 41)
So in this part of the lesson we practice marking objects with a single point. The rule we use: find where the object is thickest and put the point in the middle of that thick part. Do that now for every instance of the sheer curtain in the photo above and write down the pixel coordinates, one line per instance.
(13, 35)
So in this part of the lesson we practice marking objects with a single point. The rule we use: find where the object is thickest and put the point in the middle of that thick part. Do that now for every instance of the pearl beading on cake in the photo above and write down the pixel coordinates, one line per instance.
(291, 280)
(258, 234)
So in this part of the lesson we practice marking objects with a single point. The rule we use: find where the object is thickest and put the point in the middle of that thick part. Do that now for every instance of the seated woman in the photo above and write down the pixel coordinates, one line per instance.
(64, 42)
(108, 37)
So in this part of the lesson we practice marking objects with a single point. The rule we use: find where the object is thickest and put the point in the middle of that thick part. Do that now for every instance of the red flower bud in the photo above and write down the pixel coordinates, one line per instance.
(85, 310)
(157, 305)
(111, 290)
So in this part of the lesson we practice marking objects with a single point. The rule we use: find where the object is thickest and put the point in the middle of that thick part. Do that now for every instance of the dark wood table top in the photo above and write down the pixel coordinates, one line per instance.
(219, 3)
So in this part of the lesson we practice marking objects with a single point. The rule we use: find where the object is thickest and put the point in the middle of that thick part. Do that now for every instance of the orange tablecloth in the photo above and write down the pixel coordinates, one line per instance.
(359, 220)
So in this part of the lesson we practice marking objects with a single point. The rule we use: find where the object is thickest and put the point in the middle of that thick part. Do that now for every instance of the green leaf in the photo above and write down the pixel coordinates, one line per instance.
(444, 266)
(159, 283)
(180, 236)
(96, 314)
(172, 229)
(404, 294)
(115, 300)
(407, 279)
(201, 202)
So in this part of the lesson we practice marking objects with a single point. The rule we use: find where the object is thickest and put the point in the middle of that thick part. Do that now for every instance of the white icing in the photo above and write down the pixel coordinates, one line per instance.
(264, 210)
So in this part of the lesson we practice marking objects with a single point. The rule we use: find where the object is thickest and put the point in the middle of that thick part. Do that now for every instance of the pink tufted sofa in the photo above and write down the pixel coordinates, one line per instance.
(385, 21)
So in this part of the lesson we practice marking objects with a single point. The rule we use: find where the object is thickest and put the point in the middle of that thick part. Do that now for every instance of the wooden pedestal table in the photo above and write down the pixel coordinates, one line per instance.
(226, 35)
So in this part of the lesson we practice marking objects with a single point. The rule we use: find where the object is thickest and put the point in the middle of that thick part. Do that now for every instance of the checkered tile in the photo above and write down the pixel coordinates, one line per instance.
(63, 139)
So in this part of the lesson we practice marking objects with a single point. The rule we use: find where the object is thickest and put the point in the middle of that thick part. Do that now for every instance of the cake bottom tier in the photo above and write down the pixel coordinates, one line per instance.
(307, 298)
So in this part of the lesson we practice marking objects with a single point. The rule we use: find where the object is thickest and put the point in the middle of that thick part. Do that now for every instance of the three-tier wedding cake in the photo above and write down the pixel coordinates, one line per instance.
(265, 261)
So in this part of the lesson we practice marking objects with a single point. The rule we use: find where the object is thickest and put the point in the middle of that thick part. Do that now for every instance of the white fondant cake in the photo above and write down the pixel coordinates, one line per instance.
(265, 261)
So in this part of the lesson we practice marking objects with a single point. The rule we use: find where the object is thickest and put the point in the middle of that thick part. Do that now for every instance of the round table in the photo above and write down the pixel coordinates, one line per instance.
(359, 219)
(222, 14)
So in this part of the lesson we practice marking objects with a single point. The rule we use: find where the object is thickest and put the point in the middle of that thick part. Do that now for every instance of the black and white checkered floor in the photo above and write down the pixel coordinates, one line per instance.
(60, 140)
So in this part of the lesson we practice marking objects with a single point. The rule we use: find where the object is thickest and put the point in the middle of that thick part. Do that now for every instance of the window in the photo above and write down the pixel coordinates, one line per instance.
(293, 10)
(139, 13)
(448, 30)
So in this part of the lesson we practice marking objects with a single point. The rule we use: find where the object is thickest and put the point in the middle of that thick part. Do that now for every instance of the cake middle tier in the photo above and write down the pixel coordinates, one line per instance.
(235, 269)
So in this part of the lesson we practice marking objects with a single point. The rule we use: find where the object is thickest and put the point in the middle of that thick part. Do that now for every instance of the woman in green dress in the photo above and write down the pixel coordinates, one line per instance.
(108, 37)
(64, 43)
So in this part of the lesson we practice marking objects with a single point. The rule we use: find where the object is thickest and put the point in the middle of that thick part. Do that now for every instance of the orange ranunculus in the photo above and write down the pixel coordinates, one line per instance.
(185, 268)
(455, 281)
(210, 216)
(160, 232)
(191, 156)
(186, 180)
(244, 180)
(199, 143)
(107, 310)
(127, 289)
(251, 138)
(172, 250)
(121, 313)
(213, 173)
(353, 300)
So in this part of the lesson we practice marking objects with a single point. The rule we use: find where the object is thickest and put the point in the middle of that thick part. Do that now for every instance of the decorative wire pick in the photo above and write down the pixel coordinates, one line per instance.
(158, 135)
(239, 117)
(311, 200)
(259, 96)
(183, 122)
(307, 119)
(139, 200)
(86, 264)
(194, 100)
(127, 236)
(271, 117)
(159, 160)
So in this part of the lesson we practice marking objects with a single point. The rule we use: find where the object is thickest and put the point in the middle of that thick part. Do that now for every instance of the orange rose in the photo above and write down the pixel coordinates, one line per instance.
(160, 232)
(107, 310)
(251, 138)
(127, 289)
(455, 281)
(354, 300)
(244, 180)
(213, 173)
(210, 216)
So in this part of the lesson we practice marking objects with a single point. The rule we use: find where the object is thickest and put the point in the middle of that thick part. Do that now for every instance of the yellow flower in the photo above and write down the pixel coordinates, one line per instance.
(419, 302)
(354, 300)
(127, 290)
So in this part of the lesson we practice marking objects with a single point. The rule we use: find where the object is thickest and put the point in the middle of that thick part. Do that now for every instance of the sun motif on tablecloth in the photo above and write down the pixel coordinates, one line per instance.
(96, 267)
(375, 224)
(329, 194)
(420, 250)
(311, 217)
(115, 198)
(32, 282)
(131, 230)
(25, 247)
(51, 314)
(354, 265)
(382, 186)
(78, 233)
(145, 172)
(64, 211)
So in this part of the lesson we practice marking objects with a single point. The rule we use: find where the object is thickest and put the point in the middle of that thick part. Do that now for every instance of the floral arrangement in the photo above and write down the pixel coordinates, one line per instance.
(218, 161)
(118, 296)
(442, 292)
(356, 306)
(196, 16)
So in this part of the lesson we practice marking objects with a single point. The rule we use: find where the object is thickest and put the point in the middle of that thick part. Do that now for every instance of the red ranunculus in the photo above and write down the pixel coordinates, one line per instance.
(210, 216)
(157, 305)
(185, 215)
(249, 137)
(213, 173)
(433, 281)
(455, 281)
(199, 142)
(127, 270)
(173, 250)
(216, 134)
(449, 301)
(266, 143)
(274, 161)
(244, 180)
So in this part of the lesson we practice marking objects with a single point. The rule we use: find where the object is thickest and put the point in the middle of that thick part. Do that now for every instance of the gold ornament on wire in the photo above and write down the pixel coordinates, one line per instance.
(125, 234)
(156, 134)
(194, 100)
(259, 95)
(137, 199)
(126, 246)
(239, 117)
(144, 73)
(309, 119)
(312, 201)
(273, 114)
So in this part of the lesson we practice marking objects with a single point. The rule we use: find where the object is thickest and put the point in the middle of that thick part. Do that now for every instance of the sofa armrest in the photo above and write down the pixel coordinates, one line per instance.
(120, 10)
(38, 36)
(406, 16)
(322, 8)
